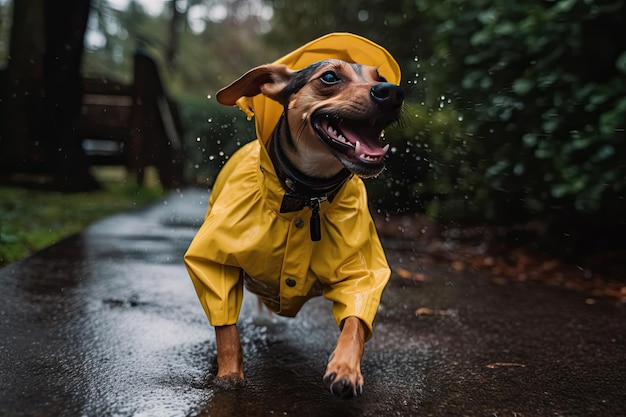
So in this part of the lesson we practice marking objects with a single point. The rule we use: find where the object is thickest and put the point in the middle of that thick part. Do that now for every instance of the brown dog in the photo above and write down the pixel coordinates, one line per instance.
(334, 113)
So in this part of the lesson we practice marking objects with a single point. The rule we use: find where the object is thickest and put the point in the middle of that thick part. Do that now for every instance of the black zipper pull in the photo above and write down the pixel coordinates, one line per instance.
(316, 230)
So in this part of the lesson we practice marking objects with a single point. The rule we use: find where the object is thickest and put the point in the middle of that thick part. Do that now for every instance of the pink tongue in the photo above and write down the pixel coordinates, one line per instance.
(368, 146)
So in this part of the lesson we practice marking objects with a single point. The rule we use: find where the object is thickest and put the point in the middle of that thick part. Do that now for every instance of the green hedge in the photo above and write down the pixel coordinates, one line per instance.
(541, 90)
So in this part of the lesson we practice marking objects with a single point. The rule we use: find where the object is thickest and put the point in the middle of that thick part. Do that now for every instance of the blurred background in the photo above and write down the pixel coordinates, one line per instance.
(514, 119)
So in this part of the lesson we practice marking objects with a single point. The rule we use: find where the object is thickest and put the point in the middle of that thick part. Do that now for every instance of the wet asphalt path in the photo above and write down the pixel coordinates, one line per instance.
(106, 323)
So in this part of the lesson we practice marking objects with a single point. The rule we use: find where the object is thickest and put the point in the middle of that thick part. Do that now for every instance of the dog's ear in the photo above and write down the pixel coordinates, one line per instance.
(270, 79)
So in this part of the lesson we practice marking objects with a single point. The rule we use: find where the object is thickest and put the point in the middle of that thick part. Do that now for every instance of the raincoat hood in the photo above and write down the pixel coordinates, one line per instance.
(345, 46)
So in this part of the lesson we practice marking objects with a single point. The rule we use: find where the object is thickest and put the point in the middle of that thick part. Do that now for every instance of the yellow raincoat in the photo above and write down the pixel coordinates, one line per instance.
(245, 237)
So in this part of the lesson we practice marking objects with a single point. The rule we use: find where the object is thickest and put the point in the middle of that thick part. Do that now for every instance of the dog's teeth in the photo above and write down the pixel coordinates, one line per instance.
(368, 157)
(357, 148)
(386, 148)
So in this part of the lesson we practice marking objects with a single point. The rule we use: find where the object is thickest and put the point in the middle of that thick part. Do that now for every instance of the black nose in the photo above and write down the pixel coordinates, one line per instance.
(387, 95)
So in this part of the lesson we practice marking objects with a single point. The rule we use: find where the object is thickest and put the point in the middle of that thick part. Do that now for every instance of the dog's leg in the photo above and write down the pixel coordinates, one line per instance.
(229, 353)
(343, 374)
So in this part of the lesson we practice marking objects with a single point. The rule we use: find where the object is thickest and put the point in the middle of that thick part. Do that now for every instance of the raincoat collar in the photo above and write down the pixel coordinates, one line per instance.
(345, 46)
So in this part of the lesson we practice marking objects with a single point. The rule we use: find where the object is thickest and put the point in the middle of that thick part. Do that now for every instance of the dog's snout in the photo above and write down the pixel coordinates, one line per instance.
(387, 95)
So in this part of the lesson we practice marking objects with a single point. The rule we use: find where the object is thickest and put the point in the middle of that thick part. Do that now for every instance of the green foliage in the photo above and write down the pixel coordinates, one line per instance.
(541, 88)
(34, 219)
(5, 30)
(214, 133)
(394, 24)
(423, 148)
(204, 61)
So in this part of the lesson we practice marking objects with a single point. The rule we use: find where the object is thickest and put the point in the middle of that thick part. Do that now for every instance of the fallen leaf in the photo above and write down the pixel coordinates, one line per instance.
(406, 274)
(458, 265)
(499, 280)
(550, 265)
(425, 311)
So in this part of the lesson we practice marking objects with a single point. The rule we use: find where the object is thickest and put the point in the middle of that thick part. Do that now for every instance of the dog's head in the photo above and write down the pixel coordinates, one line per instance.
(336, 112)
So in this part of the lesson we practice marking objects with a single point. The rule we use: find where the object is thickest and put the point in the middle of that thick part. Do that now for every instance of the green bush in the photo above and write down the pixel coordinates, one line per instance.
(213, 133)
(423, 164)
(541, 89)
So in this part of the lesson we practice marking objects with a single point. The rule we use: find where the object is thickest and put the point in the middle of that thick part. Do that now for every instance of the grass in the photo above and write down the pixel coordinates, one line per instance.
(32, 219)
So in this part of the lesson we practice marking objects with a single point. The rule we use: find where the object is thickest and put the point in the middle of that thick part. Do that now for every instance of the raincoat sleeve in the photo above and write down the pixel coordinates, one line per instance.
(359, 295)
(217, 279)
(219, 287)
(355, 273)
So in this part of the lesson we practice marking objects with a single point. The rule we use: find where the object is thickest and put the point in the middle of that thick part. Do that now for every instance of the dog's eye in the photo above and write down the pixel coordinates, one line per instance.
(329, 78)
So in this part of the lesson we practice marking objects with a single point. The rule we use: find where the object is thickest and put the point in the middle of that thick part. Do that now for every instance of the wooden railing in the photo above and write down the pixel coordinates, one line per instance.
(135, 125)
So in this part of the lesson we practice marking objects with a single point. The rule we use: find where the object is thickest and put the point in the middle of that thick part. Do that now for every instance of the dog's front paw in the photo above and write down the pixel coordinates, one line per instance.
(342, 382)
(229, 381)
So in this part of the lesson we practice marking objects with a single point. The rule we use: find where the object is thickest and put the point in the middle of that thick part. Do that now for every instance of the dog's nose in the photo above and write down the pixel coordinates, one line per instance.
(387, 95)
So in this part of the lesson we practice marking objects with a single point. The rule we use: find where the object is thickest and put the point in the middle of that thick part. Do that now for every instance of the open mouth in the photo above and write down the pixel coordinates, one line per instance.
(355, 142)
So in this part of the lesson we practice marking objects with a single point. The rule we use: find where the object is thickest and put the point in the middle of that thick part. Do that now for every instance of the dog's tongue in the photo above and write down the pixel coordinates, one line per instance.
(367, 137)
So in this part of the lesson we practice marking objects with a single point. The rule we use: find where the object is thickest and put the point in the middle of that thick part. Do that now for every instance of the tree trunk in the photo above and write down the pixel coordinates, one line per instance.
(172, 41)
(22, 87)
(42, 97)
(66, 22)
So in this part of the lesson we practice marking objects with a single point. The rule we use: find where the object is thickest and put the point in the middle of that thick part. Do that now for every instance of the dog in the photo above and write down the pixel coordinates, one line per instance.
(319, 132)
